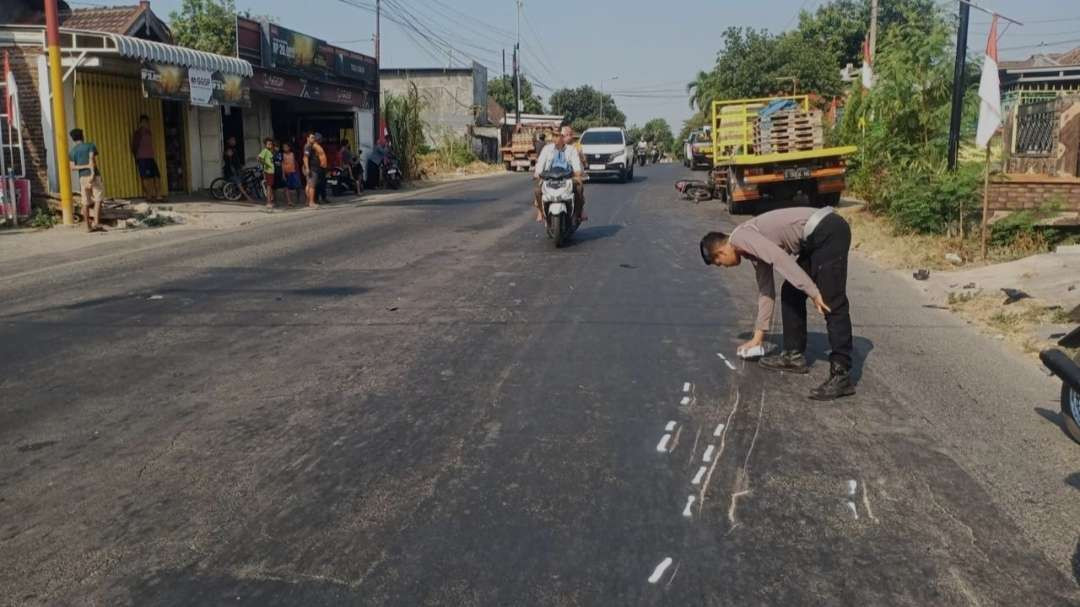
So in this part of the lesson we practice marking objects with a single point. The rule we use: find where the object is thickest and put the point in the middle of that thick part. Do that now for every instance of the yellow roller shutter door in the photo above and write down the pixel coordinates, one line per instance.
(107, 109)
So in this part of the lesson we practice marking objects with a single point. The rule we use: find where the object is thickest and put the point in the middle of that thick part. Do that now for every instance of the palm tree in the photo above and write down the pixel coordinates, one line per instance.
(702, 90)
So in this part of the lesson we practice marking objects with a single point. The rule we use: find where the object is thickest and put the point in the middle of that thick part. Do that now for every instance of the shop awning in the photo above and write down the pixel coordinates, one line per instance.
(146, 50)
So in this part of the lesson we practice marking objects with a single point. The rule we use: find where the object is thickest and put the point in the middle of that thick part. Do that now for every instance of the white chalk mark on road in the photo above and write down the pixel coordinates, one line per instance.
(742, 479)
(854, 510)
(661, 447)
(697, 477)
(726, 361)
(156, 297)
(660, 569)
(723, 441)
(866, 504)
(685, 401)
(708, 454)
(686, 387)
(670, 426)
(852, 486)
(719, 430)
(689, 502)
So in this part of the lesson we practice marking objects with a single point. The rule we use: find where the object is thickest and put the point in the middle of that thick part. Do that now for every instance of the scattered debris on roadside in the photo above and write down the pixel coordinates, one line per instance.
(922, 274)
(954, 259)
(1014, 295)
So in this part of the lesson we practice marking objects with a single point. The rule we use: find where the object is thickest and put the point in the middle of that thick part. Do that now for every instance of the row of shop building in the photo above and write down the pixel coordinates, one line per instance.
(121, 63)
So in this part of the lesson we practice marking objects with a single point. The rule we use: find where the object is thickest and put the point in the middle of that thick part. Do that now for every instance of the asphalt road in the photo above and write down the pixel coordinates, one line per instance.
(423, 403)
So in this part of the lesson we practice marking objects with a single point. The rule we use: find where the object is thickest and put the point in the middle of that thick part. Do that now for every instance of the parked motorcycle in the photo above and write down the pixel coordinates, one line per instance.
(557, 196)
(1068, 370)
(340, 181)
(391, 172)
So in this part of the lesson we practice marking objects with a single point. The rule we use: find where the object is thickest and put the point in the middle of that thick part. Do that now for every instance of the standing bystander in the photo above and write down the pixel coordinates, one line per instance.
(142, 148)
(266, 163)
(289, 173)
(83, 157)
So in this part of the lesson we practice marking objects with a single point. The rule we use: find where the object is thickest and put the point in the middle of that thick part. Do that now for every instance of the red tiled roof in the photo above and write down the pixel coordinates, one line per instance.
(112, 19)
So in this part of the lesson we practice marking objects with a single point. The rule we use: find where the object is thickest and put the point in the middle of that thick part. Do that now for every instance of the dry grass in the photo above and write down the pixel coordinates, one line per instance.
(1017, 323)
(874, 237)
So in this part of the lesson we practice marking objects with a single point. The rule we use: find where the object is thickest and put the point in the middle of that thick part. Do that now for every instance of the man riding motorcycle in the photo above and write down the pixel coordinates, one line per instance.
(560, 154)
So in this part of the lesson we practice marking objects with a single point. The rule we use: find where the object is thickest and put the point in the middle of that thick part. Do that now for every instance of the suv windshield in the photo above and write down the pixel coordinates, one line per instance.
(602, 138)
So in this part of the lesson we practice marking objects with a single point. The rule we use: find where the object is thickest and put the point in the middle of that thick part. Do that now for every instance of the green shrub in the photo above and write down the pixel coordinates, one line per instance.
(43, 218)
(930, 202)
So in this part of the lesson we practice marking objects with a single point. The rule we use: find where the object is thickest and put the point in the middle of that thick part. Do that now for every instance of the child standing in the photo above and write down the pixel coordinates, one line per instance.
(266, 161)
(289, 172)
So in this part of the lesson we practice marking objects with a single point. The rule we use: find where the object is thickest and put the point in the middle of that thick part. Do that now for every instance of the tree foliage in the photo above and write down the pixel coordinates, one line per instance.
(656, 131)
(206, 25)
(581, 107)
(502, 89)
(402, 114)
(901, 126)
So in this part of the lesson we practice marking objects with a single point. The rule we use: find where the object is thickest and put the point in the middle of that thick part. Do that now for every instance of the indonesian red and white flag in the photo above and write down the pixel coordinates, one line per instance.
(867, 67)
(11, 94)
(989, 91)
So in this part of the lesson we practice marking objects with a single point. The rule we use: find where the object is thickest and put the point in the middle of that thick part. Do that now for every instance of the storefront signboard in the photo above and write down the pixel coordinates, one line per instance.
(357, 67)
(200, 87)
(298, 52)
(293, 86)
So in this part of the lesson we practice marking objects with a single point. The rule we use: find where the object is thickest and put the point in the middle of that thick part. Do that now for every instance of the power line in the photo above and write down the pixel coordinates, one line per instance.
(1040, 45)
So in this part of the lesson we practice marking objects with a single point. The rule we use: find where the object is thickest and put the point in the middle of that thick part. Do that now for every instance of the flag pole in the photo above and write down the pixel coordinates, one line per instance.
(986, 198)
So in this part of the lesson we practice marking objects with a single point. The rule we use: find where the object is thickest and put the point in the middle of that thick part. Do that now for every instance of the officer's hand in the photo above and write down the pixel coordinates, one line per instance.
(819, 303)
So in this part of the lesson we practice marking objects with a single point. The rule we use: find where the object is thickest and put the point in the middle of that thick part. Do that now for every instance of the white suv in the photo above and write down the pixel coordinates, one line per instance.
(608, 153)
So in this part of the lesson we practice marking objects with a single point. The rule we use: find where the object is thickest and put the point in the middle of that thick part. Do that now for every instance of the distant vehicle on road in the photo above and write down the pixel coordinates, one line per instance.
(698, 150)
(608, 153)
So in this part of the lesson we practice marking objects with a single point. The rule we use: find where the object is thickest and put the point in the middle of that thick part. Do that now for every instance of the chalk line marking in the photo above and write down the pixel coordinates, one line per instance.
(685, 401)
(742, 479)
(661, 447)
(852, 486)
(693, 450)
(726, 361)
(854, 510)
(866, 504)
(689, 503)
(675, 439)
(686, 387)
(723, 441)
(719, 430)
(708, 454)
(700, 473)
(670, 426)
(658, 572)
(673, 574)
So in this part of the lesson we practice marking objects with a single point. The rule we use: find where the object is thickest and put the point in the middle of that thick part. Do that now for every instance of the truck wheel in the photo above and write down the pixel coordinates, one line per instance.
(830, 199)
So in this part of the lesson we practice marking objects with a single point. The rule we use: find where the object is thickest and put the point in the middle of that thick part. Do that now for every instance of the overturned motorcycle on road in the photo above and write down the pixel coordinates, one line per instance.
(557, 198)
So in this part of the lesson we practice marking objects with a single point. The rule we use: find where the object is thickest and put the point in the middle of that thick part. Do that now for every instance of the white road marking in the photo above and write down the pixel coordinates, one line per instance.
(719, 430)
(670, 426)
(854, 510)
(726, 361)
(660, 569)
(852, 486)
(697, 477)
(685, 401)
(689, 502)
(708, 454)
(661, 447)
(734, 502)
(686, 387)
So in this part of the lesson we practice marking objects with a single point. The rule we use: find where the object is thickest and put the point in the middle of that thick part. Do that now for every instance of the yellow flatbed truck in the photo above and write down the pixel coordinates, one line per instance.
(792, 166)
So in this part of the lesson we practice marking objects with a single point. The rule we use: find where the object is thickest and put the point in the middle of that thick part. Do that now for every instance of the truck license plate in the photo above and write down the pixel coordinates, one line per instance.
(799, 173)
(597, 167)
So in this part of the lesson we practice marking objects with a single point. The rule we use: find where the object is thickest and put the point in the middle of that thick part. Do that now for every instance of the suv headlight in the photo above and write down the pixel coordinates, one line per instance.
(617, 156)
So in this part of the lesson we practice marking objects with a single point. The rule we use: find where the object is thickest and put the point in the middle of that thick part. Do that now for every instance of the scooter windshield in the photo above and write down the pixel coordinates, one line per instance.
(556, 173)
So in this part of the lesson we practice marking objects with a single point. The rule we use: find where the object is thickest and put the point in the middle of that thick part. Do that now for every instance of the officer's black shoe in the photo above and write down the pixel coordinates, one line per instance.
(790, 361)
(838, 385)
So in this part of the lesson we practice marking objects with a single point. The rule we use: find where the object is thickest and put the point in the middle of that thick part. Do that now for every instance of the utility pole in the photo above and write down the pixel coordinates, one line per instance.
(873, 29)
(517, 67)
(378, 76)
(504, 64)
(958, 85)
(602, 97)
(60, 134)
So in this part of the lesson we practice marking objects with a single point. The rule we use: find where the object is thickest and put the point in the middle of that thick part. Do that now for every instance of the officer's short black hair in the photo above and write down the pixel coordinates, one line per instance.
(76, 135)
(709, 243)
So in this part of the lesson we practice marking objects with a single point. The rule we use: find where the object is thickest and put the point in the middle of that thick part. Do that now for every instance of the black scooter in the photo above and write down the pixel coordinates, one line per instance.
(339, 181)
(1068, 370)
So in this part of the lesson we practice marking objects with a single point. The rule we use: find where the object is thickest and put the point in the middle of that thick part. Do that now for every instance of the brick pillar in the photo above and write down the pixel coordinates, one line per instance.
(24, 66)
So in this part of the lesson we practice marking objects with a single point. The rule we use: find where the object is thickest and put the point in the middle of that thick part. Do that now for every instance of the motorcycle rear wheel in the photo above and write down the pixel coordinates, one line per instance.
(1070, 410)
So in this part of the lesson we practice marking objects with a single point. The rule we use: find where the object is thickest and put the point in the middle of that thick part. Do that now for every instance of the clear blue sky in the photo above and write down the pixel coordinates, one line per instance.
(653, 46)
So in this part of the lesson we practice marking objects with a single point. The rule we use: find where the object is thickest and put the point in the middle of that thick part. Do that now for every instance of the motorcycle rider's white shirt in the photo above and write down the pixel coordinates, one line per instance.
(547, 157)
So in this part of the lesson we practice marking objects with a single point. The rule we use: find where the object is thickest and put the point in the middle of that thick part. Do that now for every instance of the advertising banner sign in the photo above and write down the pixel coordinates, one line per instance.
(298, 52)
(200, 87)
